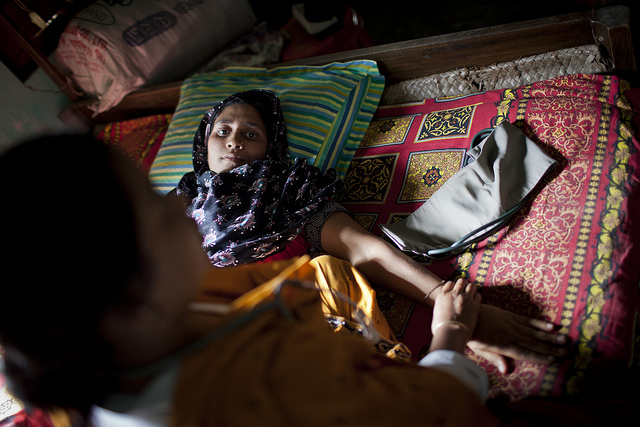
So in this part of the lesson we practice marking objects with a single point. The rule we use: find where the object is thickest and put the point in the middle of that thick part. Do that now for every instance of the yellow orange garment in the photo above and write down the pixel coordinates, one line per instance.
(287, 367)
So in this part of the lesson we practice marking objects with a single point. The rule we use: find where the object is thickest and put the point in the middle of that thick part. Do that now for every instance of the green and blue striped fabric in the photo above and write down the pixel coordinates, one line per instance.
(327, 110)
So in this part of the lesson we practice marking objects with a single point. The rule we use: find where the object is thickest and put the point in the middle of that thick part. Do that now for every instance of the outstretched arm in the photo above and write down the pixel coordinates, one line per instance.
(498, 333)
(380, 262)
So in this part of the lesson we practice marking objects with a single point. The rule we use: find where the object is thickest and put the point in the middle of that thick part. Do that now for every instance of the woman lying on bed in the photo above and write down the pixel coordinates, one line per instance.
(97, 310)
(251, 204)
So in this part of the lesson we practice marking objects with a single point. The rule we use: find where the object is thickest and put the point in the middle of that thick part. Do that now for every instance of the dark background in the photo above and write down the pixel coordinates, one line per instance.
(391, 21)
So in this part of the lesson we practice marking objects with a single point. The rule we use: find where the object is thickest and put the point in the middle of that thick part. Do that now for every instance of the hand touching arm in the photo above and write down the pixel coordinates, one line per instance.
(454, 316)
(498, 334)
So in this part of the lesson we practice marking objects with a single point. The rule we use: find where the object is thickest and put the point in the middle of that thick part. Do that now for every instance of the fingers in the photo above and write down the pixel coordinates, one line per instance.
(494, 358)
(540, 347)
(540, 330)
(458, 287)
(536, 352)
(472, 291)
(533, 346)
(540, 324)
(518, 337)
(448, 286)
(468, 289)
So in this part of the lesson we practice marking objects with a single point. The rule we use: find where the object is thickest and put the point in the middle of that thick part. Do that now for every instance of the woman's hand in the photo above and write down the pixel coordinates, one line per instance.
(454, 316)
(500, 334)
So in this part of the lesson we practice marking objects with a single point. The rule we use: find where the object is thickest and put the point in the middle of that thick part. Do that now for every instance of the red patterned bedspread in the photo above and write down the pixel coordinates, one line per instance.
(571, 256)
(138, 138)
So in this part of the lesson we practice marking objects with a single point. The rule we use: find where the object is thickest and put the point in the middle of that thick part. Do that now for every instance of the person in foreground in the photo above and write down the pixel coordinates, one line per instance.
(251, 203)
(112, 312)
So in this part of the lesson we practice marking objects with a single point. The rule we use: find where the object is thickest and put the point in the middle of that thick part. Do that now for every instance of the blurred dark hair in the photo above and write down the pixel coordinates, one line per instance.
(69, 254)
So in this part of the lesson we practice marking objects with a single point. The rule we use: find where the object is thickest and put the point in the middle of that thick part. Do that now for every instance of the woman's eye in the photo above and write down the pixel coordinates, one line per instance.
(222, 132)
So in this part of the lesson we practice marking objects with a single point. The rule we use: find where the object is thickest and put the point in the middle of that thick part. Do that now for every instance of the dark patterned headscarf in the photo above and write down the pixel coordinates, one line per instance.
(254, 210)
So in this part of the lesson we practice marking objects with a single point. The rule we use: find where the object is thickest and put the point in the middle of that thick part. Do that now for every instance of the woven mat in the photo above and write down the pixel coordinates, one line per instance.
(466, 81)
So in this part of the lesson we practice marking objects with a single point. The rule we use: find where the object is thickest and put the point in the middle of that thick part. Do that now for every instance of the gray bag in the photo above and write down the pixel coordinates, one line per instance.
(476, 201)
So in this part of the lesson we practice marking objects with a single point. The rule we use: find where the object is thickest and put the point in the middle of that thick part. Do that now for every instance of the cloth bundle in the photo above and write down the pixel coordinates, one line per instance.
(477, 200)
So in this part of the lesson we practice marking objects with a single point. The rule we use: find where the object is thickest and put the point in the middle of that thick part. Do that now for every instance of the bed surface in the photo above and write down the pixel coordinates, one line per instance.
(568, 256)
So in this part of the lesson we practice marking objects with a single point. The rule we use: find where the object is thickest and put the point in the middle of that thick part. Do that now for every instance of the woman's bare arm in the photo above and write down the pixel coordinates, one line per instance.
(498, 333)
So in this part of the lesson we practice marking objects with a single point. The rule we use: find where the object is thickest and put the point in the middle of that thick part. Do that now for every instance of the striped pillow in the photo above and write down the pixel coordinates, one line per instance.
(327, 110)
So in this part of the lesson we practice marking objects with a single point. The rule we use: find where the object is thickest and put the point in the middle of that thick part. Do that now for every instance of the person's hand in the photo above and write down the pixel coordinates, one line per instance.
(459, 302)
(500, 334)
(454, 315)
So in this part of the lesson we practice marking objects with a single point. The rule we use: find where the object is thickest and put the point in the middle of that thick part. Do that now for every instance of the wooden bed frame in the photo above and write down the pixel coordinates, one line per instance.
(607, 27)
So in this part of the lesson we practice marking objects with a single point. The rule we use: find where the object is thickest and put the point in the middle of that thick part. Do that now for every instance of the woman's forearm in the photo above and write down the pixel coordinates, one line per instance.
(381, 263)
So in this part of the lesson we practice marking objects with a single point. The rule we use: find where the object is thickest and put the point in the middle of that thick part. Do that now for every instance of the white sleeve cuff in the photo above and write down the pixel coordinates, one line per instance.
(457, 364)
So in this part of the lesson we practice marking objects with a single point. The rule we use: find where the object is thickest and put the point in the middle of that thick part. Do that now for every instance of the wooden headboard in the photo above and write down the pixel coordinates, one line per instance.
(606, 27)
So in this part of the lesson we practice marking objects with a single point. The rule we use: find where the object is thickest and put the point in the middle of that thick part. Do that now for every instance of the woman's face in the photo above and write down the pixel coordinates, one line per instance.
(239, 137)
